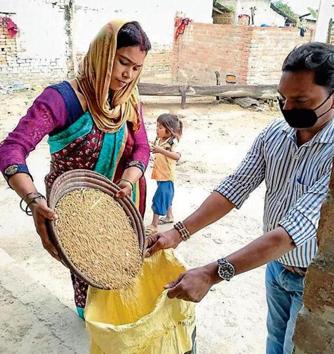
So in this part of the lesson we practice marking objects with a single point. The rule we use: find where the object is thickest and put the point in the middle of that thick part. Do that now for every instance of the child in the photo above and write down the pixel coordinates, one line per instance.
(169, 131)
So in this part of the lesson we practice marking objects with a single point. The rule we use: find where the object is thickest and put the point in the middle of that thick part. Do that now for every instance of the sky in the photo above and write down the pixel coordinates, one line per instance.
(300, 6)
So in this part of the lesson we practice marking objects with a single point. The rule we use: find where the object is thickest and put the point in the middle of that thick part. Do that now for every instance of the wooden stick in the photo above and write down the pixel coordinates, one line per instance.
(254, 91)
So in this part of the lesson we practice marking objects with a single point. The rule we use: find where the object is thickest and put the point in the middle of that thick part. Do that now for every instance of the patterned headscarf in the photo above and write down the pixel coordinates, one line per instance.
(94, 78)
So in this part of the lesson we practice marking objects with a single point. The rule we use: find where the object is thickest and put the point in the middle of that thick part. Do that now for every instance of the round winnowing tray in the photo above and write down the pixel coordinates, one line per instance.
(104, 259)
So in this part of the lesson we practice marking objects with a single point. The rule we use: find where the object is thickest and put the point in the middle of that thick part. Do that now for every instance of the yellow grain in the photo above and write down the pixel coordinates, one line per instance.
(97, 236)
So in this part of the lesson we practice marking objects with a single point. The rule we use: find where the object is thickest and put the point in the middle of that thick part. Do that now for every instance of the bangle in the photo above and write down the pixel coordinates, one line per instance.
(36, 195)
(137, 164)
(126, 180)
(182, 230)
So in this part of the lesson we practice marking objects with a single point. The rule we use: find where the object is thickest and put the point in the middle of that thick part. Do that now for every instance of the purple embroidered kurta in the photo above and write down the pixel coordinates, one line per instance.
(49, 115)
(52, 112)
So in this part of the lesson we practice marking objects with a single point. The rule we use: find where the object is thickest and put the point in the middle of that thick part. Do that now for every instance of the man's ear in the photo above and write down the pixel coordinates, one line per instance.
(333, 99)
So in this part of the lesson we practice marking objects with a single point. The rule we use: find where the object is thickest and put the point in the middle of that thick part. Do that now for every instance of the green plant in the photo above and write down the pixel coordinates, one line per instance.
(285, 8)
(313, 12)
(229, 8)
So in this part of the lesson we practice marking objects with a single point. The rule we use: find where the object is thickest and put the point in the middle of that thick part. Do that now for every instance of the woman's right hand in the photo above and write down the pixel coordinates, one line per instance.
(162, 240)
(41, 213)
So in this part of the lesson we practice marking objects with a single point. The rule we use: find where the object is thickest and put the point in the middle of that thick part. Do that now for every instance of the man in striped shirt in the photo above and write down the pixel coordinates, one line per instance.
(294, 158)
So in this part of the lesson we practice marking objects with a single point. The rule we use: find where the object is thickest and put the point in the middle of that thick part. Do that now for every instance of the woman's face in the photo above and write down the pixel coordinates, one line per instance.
(127, 64)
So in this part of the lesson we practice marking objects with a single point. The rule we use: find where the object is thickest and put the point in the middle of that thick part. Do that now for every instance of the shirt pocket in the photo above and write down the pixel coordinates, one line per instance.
(300, 189)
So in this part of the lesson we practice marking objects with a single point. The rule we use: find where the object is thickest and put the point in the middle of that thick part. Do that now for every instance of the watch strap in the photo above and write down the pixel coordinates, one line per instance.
(12, 170)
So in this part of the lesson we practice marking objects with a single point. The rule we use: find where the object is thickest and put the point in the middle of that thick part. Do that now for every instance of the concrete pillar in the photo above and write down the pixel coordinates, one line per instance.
(314, 332)
(69, 44)
(325, 13)
(237, 11)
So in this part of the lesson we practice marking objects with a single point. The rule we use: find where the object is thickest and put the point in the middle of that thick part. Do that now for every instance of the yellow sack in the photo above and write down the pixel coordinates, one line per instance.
(142, 319)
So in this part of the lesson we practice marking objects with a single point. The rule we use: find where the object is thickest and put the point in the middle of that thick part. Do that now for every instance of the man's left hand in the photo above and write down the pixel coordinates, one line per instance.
(194, 284)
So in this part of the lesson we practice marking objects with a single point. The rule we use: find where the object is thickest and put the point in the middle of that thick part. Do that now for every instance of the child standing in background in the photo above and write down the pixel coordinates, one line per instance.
(169, 131)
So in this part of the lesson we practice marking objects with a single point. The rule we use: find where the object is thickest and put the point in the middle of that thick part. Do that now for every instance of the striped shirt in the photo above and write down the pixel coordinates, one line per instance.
(296, 179)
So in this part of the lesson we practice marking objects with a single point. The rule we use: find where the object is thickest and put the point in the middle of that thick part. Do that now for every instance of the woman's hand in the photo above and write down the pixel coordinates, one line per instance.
(162, 240)
(125, 189)
(41, 213)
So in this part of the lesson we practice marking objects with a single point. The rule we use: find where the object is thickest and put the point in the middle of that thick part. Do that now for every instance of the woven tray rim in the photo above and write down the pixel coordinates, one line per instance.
(80, 179)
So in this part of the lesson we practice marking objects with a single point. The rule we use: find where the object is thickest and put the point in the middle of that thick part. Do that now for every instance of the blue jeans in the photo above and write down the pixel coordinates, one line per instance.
(284, 299)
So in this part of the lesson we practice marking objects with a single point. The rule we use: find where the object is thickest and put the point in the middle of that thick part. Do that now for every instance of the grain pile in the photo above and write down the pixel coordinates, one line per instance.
(98, 238)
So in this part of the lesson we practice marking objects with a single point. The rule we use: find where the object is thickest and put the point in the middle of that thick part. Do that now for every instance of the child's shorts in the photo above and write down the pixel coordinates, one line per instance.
(163, 197)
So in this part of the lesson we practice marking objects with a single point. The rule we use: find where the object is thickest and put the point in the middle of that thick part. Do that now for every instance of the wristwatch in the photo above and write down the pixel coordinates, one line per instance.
(11, 170)
(226, 270)
(16, 168)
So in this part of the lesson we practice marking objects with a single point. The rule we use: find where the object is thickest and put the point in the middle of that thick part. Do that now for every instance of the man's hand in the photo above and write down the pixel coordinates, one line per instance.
(194, 284)
(162, 240)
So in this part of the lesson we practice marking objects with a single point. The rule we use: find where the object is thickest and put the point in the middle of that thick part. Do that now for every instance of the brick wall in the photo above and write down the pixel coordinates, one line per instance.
(315, 323)
(8, 46)
(37, 52)
(44, 46)
(253, 54)
(268, 49)
(158, 65)
(206, 48)
(15, 66)
(196, 55)
(225, 18)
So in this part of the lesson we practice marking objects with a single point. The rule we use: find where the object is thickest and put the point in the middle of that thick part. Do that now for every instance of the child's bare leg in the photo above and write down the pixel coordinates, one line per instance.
(169, 218)
(153, 227)
(155, 220)
(170, 215)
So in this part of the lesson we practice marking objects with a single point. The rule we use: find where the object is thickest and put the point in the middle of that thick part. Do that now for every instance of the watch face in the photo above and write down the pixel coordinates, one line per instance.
(225, 269)
(11, 170)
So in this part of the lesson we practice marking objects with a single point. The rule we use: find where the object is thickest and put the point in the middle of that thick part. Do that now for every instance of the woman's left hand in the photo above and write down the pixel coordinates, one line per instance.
(126, 189)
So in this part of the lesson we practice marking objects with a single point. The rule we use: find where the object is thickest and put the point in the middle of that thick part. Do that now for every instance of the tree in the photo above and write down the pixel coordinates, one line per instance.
(286, 9)
(314, 13)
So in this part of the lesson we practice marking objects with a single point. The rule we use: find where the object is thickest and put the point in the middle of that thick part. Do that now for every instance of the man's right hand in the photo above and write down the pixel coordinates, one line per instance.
(162, 240)
(41, 213)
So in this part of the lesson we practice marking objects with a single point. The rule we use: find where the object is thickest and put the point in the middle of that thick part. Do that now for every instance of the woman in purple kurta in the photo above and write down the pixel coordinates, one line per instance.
(80, 134)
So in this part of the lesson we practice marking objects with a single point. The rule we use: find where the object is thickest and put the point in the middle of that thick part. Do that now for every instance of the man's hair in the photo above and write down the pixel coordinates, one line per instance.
(315, 56)
(131, 34)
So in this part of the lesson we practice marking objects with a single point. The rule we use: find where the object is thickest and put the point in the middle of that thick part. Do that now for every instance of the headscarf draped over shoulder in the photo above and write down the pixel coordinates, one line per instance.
(94, 83)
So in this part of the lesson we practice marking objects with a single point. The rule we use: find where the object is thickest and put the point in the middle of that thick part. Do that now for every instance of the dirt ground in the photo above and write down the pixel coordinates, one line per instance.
(35, 291)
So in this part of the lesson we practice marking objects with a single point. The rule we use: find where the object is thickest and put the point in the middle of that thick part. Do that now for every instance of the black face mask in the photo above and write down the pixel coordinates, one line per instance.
(302, 118)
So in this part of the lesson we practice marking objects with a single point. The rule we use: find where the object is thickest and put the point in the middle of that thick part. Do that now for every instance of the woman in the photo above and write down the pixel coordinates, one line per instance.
(94, 122)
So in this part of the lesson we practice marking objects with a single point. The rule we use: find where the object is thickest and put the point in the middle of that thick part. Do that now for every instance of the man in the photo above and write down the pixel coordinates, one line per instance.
(294, 158)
